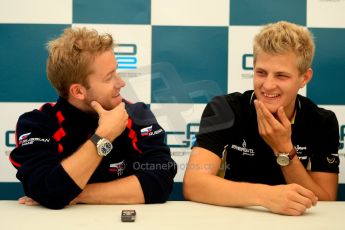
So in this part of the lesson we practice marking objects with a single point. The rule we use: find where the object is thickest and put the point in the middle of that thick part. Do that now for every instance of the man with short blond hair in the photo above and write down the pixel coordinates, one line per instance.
(280, 148)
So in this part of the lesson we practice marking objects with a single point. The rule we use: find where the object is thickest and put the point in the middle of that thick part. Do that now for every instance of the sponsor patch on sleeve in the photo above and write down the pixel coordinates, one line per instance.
(148, 131)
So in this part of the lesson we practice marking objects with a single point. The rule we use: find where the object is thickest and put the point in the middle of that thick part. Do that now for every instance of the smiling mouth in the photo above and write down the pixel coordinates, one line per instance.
(271, 96)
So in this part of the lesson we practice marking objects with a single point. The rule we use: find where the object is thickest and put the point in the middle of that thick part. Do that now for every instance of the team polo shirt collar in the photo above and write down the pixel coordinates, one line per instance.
(74, 114)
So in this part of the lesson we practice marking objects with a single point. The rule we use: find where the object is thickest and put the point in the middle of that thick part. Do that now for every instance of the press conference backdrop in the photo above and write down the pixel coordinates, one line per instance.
(174, 55)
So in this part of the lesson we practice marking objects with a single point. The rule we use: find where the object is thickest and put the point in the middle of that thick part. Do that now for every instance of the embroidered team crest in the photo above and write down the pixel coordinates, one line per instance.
(117, 168)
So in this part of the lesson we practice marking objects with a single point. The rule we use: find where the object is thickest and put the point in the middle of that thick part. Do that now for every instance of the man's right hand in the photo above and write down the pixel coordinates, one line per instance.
(111, 123)
(290, 199)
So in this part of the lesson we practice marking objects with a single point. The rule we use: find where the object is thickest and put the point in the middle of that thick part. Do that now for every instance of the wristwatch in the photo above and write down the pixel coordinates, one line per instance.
(103, 145)
(283, 159)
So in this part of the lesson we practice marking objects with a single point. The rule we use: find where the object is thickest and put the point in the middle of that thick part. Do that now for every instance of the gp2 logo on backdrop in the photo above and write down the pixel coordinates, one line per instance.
(187, 142)
(126, 56)
(188, 136)
(10, 141)
(247, 66)
(247, 62)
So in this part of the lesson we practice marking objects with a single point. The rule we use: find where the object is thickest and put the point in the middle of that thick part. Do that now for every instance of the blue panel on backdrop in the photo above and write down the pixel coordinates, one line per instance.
(112, 11)
(23, 62)
(11, 190)
(258, 12)
(189, 64)
(328, 84)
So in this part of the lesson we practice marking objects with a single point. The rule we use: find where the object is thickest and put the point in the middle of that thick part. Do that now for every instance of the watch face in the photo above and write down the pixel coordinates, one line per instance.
(104, 147)
(283, 160)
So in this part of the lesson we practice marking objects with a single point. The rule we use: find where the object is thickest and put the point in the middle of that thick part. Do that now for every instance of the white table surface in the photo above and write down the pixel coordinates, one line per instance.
(175, 215)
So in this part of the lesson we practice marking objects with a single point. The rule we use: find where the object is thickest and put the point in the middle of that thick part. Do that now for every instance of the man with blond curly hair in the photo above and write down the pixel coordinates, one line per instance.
(91, 146)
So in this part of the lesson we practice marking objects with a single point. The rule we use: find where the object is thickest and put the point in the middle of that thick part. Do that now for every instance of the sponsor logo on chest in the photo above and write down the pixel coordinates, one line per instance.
(245, 151)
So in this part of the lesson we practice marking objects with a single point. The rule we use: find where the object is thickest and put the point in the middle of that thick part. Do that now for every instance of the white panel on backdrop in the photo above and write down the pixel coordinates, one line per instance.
(180, 122)
(36, 11)
(190, 13)
(133, 53)
(240, 58)
(339, 112)
(325, 13)
(10, 113)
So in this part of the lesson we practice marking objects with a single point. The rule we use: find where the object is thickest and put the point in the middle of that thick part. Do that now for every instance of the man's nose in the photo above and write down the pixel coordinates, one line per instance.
(119, 82)
(269, 82)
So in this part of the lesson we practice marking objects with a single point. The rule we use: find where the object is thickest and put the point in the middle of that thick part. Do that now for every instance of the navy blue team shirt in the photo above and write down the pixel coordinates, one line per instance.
(46, 136)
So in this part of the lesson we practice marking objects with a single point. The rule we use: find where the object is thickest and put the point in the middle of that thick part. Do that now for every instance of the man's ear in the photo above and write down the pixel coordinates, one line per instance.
(77, 91)
(306, 77)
